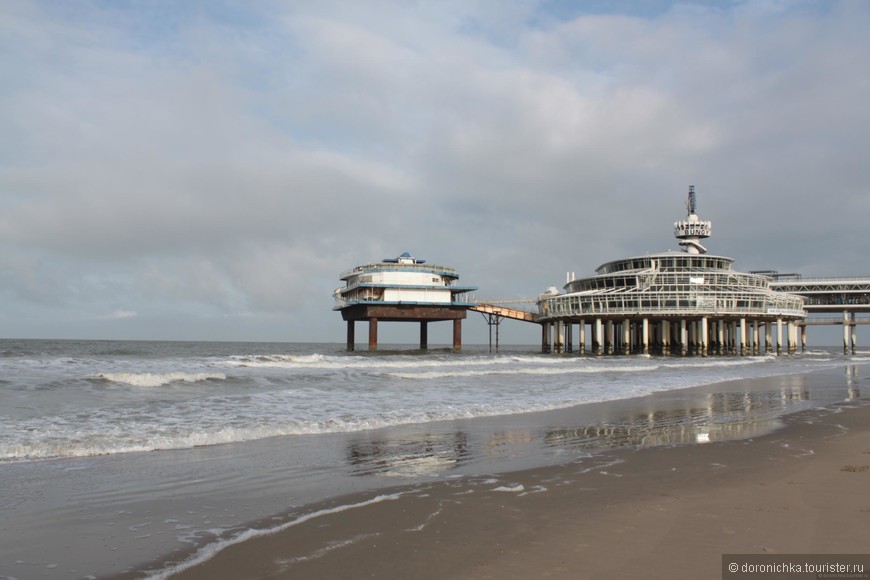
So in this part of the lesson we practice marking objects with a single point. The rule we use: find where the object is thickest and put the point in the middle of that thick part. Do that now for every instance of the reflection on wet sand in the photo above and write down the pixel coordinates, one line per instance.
(701, 417)
(429, 455)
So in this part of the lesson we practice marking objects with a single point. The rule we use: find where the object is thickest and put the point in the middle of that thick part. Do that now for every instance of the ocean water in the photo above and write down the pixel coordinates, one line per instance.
(114, 455)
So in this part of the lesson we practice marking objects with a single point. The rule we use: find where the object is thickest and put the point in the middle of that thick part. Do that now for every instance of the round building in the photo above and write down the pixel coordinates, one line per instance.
(685, 302)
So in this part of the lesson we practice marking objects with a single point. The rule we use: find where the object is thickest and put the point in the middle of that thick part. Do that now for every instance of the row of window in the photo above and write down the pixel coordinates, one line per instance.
(664, 263)
(571, 306)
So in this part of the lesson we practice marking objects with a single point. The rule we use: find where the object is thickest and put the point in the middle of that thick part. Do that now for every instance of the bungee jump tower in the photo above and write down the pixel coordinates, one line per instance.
(684, 303)
(402, 289)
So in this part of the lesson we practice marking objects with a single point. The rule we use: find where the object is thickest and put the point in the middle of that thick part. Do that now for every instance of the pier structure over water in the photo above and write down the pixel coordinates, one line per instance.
(841, 299)
(683, 303)
(402, 289)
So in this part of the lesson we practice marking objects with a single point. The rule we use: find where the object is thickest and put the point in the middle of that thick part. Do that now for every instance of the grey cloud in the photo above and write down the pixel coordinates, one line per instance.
(220, 170)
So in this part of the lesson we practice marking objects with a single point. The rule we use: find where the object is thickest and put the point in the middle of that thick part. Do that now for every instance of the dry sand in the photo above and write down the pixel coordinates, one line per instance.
(667, 512)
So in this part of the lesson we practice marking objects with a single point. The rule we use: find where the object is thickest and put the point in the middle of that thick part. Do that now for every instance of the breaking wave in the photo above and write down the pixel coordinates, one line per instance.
(159, 379)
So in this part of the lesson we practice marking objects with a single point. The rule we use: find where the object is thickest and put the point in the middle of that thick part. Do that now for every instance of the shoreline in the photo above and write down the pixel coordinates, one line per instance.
(622, 511)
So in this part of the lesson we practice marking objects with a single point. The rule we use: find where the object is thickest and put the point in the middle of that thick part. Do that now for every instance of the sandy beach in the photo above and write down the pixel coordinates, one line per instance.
(665, 512)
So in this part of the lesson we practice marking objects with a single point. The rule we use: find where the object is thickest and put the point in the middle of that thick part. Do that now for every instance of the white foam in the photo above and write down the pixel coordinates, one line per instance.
(209, 551)
(521, 371)
(511, 488)
(160, 379)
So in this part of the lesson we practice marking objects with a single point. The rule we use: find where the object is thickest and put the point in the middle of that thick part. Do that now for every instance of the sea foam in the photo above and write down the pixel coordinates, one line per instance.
(160, 379)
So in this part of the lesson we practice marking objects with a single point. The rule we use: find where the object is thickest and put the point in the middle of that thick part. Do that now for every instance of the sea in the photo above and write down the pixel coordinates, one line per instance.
(138, 458)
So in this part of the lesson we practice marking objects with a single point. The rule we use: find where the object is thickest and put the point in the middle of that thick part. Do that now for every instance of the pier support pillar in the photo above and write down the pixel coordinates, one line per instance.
(684, 338)
(666, 337)
(854, 335)
(756, 339)
(581, 348)
(845, 332)
(744, 348)
(626, 336)
(559, 336)
(545, 337)
(804, 338)
(457, 334)
(768, 337)
(645, 335)
(608, 337)
(704, 336)
(350, 336)
(424, 335)
(720, 348)
(734, 337)
(779, 336)
(598, 338)
(373, 334)
(569, 337)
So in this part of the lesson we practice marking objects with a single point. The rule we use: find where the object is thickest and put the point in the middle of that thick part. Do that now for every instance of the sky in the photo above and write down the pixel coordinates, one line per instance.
(205, 170)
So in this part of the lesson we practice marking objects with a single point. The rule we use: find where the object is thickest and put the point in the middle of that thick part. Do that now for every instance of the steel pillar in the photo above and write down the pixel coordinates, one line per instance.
(350, 336)
(373, 334)
(457, 334)
(424, 335)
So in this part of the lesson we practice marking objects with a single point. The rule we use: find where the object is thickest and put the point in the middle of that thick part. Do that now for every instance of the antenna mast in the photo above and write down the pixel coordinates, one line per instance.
(692, 230)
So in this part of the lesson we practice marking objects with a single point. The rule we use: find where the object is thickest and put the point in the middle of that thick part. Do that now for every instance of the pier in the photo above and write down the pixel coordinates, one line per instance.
(846, 297)
(671, 303)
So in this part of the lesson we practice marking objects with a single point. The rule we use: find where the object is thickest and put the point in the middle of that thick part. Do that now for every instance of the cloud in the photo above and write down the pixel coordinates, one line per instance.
(120, 315)
(229, 161)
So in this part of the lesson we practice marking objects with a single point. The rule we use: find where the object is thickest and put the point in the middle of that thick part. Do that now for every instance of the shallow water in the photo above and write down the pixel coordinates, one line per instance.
(239, 433)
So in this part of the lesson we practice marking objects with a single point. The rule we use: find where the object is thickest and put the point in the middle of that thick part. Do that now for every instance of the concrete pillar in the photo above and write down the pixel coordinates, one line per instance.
(684, 337)
(608, 337)
(582, 346)
(756, 339)
(545, 337)
(598, 338)
(854, 336)
(645, 335)
(744, 348)
(350, 336)
(424, 335)
(803, 338)
(626, 336)
(779, 336)
(845, 332)
(373, 334)
(457, 334)
(569, 336)
(729, 336)
(734, 338)
(768, 337)
(692, 329)
(666, 337)
(721, 346)
(558, 339)
(704, 336)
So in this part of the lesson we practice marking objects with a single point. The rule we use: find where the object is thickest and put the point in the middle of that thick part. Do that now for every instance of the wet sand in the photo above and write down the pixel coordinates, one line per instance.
(669, 511)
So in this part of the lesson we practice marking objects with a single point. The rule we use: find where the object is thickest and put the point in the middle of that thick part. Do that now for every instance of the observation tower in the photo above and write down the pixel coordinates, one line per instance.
(685, 302)
(692, 230)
